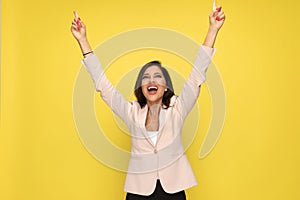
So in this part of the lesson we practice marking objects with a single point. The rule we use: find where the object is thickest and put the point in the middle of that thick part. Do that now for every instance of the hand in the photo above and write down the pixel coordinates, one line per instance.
(78, 28)
(216, 18)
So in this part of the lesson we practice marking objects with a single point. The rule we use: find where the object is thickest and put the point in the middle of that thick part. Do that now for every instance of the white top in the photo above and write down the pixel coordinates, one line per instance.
(153, 136)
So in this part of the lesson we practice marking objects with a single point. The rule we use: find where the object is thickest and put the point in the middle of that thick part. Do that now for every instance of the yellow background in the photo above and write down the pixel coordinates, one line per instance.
(257, 156)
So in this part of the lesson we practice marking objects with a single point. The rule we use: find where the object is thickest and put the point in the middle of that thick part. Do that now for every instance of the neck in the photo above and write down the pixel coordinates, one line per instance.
(152, 120)
(154, 108)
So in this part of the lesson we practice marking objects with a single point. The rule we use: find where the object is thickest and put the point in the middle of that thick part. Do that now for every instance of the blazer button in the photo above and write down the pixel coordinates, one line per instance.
(155, 151)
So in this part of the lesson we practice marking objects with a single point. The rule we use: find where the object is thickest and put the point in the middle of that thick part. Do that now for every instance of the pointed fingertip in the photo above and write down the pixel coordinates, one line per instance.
(75, 13)
(214, 5)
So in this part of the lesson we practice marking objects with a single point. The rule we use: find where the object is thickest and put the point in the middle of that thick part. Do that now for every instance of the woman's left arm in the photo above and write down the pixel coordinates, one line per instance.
(191, 88)
(216, 21)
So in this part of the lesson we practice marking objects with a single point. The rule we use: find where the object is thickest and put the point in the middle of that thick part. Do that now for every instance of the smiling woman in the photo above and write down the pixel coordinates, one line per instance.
(154, 79)
(158, 167)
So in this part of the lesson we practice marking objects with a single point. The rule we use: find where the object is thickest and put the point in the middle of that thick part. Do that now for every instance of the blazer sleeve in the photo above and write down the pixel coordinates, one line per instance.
(108, 92)
(191, 88)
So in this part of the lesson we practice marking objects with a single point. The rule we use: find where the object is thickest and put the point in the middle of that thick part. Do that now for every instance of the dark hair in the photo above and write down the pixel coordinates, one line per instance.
(138, 85)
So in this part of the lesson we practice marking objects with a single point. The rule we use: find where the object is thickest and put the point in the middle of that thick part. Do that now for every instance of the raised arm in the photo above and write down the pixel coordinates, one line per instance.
(191, 88)
(78, 30)
(109, 94)
(216, 21)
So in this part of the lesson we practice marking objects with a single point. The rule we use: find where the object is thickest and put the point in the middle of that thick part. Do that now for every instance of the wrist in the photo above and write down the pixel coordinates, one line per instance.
(211, 37)
(213, 30)
(82, 41)
(84, 45)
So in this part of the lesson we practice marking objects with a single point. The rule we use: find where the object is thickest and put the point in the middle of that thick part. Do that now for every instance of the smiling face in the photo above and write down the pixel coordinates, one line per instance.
(153, 85)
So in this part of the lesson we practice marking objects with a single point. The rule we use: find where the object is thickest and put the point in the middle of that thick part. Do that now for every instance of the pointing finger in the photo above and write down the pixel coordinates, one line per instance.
(75, 14)
(214, 5)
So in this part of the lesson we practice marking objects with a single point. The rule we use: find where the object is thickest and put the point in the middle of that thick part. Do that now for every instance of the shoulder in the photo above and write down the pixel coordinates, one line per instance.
(135, 104)
(173, 102)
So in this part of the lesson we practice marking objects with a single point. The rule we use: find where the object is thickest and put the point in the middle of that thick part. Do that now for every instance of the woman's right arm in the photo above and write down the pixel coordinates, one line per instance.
(109, 94)
(78, 30)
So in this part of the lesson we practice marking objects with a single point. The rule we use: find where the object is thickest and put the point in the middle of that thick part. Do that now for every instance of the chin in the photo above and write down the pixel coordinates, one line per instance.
(153, 100)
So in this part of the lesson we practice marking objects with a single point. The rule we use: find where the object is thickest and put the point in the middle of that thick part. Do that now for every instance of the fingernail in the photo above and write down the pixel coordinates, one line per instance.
(218, 9)
(218, 18)
(79, 18)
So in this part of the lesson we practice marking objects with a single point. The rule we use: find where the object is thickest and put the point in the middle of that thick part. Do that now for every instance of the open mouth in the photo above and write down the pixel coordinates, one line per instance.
(152, 89)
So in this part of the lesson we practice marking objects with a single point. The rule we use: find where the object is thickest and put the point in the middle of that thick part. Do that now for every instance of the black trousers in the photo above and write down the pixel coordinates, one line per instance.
(158, 194)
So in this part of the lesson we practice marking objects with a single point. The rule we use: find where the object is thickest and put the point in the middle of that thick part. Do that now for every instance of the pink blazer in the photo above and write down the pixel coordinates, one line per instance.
(166, 159)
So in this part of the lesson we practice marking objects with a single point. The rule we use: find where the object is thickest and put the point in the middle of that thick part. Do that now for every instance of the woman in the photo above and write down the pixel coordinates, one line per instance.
(158, 167)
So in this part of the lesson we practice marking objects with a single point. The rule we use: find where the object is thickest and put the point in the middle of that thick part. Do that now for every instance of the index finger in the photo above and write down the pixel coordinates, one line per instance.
(75, 14)
(214, 5)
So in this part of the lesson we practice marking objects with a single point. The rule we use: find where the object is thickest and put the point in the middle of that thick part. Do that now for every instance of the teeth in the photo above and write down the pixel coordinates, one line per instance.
(152, 88)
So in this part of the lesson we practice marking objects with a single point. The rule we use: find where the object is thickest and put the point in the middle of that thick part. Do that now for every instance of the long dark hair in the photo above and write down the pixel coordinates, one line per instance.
(138, 85)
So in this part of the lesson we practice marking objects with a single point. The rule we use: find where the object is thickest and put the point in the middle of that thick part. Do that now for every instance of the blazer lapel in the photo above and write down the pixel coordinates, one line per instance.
(143, 117)
(162, 122)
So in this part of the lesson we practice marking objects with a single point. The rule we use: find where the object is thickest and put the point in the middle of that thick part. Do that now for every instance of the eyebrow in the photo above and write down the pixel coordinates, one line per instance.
(154, 73)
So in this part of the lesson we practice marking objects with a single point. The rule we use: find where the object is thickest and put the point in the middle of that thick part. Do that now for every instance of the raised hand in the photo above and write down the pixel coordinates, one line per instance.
(216, 18)
(216, 21)
(78, 28)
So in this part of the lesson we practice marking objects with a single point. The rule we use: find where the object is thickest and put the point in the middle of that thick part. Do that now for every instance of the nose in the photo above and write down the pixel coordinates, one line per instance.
(152, 80)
